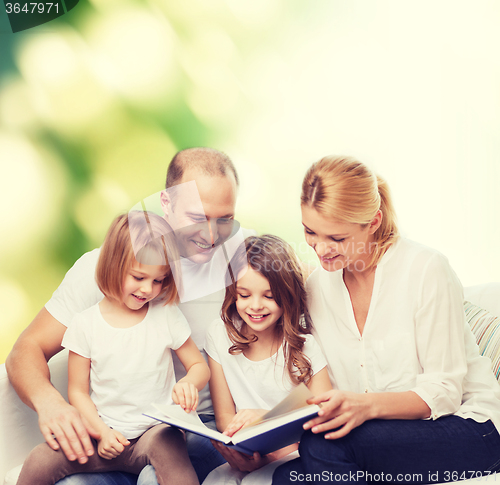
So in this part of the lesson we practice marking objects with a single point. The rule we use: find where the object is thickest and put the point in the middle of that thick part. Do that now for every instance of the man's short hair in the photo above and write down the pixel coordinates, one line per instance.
(209, 161)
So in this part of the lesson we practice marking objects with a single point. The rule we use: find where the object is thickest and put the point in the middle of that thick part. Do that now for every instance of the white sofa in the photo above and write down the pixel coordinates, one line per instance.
(19, 431)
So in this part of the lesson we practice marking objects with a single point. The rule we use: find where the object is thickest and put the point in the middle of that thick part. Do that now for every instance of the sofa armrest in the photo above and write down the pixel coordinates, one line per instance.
(19, 432)
(486, 296)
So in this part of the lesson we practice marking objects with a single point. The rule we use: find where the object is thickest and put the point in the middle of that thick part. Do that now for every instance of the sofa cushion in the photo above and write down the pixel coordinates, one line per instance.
(486, 329)
(12, 476)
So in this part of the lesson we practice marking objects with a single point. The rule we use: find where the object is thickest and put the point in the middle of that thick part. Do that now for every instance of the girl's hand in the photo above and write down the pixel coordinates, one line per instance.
(243, 418)
(111, 444)
(240, 461)
(341, 411)
(186, 395)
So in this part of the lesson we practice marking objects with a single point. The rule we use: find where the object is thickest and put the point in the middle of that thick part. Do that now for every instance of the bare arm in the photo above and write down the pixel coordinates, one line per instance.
(399, 405)
(78, 390)
(347, 410)
(222, 400)
(29, 374)
(320, 382)
(185, 392)
(27, 362)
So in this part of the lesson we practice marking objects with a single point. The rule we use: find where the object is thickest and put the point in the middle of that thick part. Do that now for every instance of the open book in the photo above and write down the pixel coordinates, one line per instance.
(279, 427)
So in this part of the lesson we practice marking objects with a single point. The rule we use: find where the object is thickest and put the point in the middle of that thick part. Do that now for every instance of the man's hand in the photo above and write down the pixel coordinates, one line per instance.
(62, 427)
(111, 444)
(60, 423)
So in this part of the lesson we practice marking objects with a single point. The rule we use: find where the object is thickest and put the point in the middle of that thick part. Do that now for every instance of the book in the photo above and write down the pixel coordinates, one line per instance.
(279, 427)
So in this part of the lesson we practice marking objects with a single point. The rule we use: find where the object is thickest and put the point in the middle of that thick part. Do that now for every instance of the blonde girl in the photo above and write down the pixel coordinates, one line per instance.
(120, 361)
(262, 347)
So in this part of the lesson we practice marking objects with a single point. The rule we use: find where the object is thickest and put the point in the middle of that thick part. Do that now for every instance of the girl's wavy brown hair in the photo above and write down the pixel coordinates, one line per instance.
(276, 261)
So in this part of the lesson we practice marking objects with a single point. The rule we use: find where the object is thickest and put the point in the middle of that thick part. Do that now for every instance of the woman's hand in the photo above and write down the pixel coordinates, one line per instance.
(341, 411)
(111, 444)
(243, 418)
(240, 461)
(186, 395)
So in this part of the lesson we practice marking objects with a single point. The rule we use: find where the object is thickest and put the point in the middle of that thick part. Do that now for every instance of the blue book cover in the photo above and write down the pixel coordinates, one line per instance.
(280, 427)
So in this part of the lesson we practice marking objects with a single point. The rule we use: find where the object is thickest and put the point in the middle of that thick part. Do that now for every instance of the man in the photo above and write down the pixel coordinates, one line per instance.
(60, 423)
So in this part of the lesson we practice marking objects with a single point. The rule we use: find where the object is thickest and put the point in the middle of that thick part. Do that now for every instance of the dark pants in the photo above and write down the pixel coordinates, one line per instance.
(397, 451)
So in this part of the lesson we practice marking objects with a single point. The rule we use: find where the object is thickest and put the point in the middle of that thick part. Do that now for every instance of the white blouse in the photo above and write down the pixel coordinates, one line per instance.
(415, 336)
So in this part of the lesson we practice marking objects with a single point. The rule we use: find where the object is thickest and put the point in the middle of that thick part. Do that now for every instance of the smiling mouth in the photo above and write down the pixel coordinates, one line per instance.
(140, 298)
(202, 246)
(258, 317)
(329, 258)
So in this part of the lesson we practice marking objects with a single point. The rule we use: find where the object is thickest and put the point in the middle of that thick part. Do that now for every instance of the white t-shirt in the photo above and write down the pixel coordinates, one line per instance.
(415, 336)
(131, 368)
(79, 291)
(256, 384)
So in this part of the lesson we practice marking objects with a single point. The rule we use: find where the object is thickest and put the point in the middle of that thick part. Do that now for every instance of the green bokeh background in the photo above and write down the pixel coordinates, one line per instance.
(93, 105)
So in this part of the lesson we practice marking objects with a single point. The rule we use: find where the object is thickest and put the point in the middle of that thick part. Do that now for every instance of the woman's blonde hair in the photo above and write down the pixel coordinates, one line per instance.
(345, 190)
(137, 236)
(276, 261)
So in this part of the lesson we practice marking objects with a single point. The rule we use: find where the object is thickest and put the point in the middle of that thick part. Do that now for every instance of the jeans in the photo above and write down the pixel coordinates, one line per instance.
(111, 478)
(203, 455)
(397, 451)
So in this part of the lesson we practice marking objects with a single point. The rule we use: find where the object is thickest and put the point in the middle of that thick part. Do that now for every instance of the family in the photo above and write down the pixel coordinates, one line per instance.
(377, 333)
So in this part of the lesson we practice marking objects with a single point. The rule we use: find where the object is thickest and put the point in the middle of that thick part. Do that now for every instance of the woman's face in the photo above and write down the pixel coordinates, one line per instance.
(339, 244)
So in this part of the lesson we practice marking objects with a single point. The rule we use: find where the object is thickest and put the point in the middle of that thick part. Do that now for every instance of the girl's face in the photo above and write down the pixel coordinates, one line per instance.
(255, 303)
(338, 244)
(142, 283)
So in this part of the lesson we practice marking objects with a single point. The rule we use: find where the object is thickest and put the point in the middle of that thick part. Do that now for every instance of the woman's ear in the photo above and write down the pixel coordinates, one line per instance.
(375, 222)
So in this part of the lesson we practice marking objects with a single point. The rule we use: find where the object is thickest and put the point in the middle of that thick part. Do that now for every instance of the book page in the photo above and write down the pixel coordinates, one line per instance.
(176, 412)
(295, 400)
(176, 416)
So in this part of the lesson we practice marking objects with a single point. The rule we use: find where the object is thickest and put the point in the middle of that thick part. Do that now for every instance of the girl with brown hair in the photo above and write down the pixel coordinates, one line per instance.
(261, 348)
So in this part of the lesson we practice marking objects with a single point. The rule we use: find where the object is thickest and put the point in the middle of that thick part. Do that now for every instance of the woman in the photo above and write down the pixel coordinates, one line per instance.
(413, 401)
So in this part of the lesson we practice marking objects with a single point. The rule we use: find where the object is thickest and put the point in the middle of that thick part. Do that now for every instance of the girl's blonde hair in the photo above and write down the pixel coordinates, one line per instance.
(345, 190)
(137, 236)
(275, 260)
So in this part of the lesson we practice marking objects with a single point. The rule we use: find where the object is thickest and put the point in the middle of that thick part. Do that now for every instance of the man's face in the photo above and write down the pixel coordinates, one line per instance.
(200, 228)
